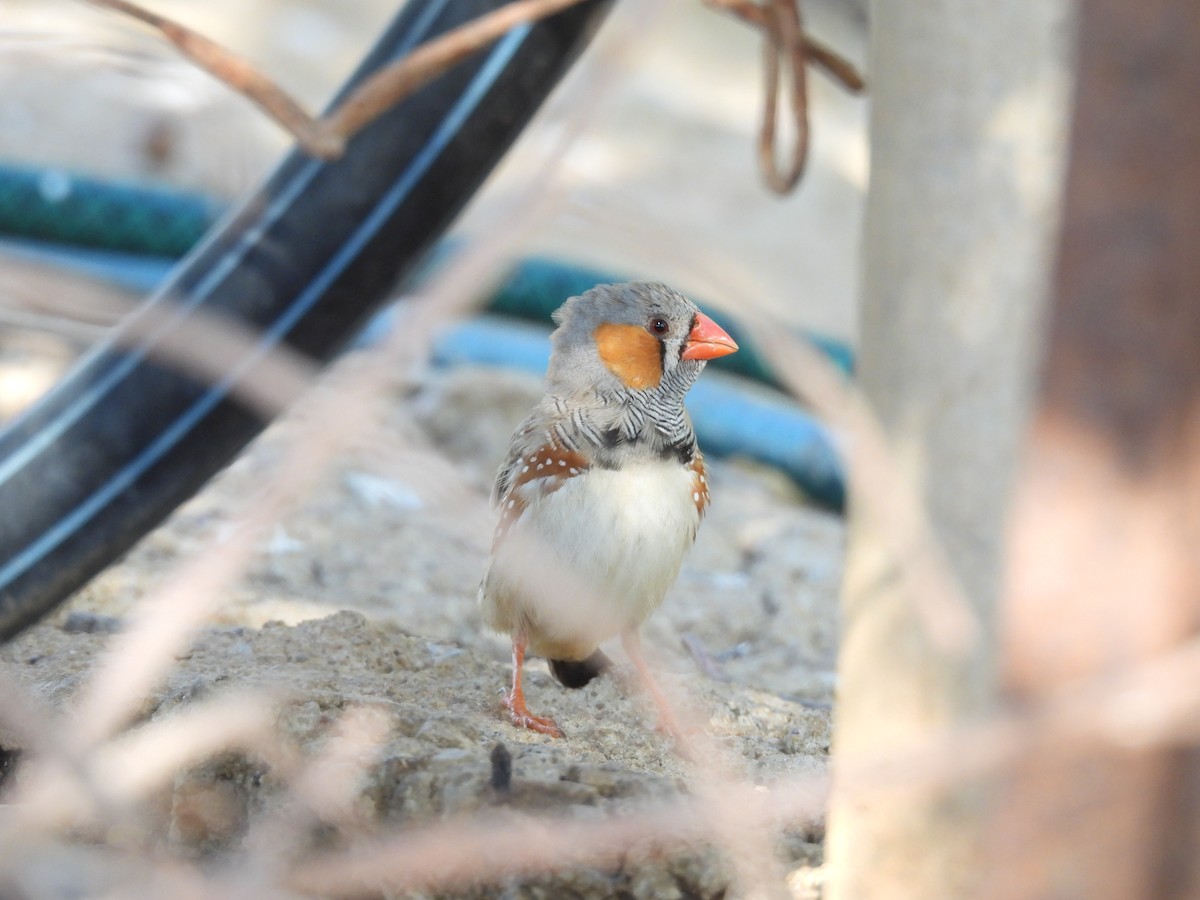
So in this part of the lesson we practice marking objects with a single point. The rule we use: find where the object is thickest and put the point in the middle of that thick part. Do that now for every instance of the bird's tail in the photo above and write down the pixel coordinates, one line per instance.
(575, 673)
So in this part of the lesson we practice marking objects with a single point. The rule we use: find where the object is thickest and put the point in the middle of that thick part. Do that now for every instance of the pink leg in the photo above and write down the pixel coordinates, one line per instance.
(518, 712)
(632, 642)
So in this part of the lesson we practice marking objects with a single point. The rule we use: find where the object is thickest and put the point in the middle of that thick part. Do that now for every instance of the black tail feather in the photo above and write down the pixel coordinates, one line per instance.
(575, 673)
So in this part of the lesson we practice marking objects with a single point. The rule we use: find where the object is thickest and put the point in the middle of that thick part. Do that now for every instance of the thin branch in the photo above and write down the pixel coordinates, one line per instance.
(394, 82)
(913, 549)
(833, 63)
(326, 138)
(212, 348)
(239, 74)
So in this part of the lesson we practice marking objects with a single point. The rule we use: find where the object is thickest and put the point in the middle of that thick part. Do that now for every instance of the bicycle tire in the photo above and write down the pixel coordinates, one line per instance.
(122, 440)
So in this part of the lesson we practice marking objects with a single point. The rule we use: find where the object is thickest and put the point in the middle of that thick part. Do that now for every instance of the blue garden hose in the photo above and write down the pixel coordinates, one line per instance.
(58, 207)
(49, 211)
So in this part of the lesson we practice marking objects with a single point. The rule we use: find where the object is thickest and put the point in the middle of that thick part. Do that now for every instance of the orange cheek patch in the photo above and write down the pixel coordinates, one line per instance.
(631, 353)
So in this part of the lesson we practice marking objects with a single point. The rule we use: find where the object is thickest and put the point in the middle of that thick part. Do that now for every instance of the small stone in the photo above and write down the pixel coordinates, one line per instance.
(83, 622)
(501, 778)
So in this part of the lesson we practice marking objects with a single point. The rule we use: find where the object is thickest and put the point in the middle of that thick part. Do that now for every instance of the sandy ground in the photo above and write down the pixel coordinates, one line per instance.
(746, 638)
(364, 595)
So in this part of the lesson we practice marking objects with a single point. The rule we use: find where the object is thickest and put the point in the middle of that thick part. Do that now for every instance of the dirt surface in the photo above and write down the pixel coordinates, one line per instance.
(365, 597)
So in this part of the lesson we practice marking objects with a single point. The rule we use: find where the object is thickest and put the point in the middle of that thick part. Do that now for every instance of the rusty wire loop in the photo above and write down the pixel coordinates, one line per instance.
(786, 44)
(783, 44)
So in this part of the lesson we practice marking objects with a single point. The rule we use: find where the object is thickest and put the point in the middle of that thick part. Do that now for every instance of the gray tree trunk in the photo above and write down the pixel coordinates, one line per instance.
(968, 127)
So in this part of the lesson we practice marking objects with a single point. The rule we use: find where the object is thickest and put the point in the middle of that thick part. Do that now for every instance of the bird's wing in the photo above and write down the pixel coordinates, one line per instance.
(528, 436)
(699, 482)
(536, 465)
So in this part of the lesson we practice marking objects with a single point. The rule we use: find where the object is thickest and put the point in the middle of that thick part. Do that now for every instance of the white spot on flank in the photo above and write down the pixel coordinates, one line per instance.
(540, 467)
(574, 471)
(524, 469)
(512, 503)
(696, 495)
(562, 462)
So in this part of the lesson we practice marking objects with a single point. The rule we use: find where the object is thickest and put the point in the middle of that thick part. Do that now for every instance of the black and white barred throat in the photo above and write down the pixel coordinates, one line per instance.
(651, 423)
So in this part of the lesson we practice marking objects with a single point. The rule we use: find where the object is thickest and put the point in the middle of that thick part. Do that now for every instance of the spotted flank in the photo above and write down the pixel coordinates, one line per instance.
(549, 467)
(699, 483)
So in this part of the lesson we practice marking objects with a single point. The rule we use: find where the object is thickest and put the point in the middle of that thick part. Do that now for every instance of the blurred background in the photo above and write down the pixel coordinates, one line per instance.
(663, 182)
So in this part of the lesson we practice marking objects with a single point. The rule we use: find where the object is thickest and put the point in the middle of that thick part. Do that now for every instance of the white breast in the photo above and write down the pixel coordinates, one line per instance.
(607, 545)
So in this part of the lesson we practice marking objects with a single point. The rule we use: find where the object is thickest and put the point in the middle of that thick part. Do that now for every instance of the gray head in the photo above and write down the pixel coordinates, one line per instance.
(634, 339)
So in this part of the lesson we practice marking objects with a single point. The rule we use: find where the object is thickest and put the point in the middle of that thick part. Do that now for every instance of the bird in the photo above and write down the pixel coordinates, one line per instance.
(603, 487)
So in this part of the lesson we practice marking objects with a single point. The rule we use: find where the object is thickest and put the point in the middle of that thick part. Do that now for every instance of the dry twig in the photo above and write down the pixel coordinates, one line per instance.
(835, 65)
(240, 75)
(393, 83)
(326, 137)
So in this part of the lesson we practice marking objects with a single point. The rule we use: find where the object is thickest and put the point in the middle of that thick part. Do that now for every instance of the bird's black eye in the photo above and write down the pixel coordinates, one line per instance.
(658, 325)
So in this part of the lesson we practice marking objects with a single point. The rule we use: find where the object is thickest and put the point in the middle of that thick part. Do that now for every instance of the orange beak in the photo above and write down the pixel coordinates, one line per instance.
(707, 340)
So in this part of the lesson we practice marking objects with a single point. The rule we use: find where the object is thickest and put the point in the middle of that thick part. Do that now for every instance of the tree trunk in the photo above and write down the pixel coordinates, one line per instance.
(967, 134)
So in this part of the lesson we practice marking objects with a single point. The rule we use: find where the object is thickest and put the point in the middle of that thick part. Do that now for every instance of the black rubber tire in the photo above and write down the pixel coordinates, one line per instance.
(122, 441)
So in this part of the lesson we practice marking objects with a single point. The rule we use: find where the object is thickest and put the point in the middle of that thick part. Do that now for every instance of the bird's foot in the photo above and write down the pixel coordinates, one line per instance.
(520, 716)
(683, 738)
